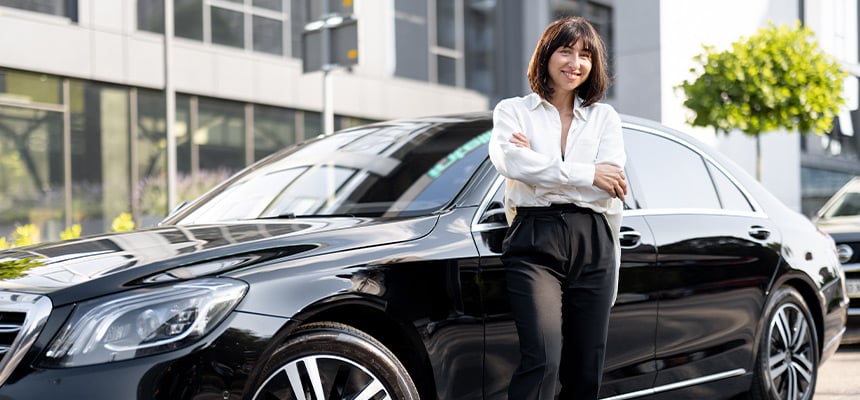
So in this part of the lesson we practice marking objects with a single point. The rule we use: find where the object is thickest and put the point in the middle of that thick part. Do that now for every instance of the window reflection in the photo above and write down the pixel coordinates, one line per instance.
(100, 154)
(731, 196)
(31, 169)
(150, 191)
(670, 174)
(268, 35)
(118, 150)
(220, 135)
(28, 87)
(62, 8)
(228, 27)
(187, 18)
(274, 129)
(382, 170)
(225, 22)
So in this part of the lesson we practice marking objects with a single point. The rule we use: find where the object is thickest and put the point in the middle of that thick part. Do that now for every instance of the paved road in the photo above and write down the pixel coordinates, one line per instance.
(838, 378)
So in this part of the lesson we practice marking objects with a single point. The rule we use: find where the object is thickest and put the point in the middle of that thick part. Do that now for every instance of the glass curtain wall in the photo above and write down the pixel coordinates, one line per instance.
(31, 152)
(99, 150)
(102, 152)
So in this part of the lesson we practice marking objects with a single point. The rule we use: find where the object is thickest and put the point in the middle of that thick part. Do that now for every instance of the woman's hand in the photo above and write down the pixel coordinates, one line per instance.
(610, 178)
(520, 140)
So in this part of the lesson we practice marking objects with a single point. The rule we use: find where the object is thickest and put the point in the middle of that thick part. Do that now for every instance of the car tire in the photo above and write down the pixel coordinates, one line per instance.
(328, 360)
(787, 365)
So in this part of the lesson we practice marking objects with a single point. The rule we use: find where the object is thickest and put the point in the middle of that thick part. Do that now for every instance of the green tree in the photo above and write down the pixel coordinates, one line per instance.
(777, 78)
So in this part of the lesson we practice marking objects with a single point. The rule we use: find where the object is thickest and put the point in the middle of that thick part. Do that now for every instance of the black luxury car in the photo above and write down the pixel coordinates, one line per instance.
(365, 265)
(840, 217)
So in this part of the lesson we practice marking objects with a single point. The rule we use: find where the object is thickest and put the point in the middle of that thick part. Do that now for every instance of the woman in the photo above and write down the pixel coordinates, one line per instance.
(563, 156)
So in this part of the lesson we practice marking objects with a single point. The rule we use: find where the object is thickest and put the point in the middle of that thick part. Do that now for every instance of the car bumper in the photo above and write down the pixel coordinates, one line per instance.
(219, 367)
(852, 275)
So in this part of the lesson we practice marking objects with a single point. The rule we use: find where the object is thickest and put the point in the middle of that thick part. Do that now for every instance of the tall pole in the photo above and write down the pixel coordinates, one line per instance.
(328, 112)
(170, 105)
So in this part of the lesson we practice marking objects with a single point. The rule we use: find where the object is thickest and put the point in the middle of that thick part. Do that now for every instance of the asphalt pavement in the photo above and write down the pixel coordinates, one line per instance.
(838, 378)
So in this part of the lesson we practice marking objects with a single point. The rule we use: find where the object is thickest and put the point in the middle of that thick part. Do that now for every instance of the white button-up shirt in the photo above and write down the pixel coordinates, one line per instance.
(543, 175)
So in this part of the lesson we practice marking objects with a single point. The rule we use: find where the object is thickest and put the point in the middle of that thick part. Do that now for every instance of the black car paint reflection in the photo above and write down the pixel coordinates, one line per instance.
(395, 229)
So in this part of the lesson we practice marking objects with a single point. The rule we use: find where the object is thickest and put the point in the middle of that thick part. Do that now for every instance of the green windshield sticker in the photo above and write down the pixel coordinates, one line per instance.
(458, 154)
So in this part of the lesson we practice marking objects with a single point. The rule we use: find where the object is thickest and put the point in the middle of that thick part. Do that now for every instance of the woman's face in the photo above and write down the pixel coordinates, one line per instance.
(569, 67)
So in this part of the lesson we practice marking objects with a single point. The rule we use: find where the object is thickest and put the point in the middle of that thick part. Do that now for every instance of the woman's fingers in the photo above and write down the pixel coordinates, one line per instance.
(520, 140)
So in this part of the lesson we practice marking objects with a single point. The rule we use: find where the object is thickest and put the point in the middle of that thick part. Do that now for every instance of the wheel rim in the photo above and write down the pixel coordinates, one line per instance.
(791, 354)
(322, 377)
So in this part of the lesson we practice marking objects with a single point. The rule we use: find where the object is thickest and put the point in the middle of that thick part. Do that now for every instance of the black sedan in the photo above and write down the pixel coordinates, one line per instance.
(365, 265)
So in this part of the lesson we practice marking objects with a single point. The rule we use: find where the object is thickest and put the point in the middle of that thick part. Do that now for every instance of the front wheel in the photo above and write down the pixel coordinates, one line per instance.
(327, 360)
(787, 365)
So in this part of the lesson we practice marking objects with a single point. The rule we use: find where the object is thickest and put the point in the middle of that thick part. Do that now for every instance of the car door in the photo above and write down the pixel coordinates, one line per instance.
(630, 364)
(716, 256)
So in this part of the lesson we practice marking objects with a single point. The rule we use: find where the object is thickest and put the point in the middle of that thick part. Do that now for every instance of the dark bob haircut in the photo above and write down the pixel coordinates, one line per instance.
(567, 32)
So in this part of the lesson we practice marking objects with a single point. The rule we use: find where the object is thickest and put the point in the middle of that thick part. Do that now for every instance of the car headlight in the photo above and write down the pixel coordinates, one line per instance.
(143, 322)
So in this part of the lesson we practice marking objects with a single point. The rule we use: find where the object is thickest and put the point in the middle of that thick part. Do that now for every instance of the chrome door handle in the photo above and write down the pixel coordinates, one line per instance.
(629, 239)
(759, 232)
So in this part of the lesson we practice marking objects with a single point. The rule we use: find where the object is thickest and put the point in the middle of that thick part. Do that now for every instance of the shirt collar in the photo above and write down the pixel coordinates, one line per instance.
(533, 100)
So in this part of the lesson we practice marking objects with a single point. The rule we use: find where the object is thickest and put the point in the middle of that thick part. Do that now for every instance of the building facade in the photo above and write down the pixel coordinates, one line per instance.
(83, 133)
(82, 101)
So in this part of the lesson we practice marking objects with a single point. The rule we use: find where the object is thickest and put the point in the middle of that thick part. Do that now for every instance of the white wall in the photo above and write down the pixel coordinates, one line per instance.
(106, 46)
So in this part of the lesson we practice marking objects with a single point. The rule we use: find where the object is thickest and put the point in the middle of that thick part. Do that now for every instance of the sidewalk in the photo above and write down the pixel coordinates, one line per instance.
(837, 378)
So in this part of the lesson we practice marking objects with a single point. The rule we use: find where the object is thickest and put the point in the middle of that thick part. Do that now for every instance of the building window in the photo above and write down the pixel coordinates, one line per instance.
(446, 52)
(149, 163)
(258, 25)
(187, 18)
(61, 8)
(450, 42)
(480, 45)
(228, 27)
(412, 40)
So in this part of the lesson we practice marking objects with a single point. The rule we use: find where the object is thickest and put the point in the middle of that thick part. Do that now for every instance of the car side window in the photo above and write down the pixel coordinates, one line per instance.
(730, 196)
(669, 174)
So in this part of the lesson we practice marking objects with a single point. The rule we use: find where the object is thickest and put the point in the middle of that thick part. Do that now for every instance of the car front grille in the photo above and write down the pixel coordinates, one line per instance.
(11, 323)
(22, 317)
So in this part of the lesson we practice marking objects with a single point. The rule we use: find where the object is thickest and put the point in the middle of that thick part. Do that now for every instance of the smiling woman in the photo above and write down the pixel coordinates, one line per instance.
(562, 155)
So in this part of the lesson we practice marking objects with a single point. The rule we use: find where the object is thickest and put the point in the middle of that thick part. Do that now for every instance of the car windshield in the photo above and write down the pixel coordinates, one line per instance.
(845, 206)
(383, 170)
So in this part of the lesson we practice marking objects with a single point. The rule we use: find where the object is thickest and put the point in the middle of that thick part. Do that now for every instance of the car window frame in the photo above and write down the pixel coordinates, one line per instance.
(756, 208)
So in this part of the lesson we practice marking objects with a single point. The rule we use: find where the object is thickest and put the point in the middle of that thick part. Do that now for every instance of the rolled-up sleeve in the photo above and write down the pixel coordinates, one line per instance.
(524, 164)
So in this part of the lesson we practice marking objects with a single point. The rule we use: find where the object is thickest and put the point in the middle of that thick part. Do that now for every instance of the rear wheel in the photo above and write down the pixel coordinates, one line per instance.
(787, 365)
(327, 360)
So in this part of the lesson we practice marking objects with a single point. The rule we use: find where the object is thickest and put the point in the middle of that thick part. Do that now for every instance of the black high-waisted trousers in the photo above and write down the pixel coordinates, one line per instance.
(560, 267)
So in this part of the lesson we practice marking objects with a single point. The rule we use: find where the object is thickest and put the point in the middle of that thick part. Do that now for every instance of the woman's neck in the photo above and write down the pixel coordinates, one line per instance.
(563, 102)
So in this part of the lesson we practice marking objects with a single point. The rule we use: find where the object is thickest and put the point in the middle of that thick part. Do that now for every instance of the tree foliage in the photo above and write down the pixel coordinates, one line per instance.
(777, 78)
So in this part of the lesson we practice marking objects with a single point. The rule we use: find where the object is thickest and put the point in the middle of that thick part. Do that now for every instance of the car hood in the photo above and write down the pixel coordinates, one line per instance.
(75, 270)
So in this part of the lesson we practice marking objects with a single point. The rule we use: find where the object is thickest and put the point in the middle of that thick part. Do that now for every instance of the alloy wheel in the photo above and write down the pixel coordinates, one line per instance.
(791, 359)
(318, 377)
